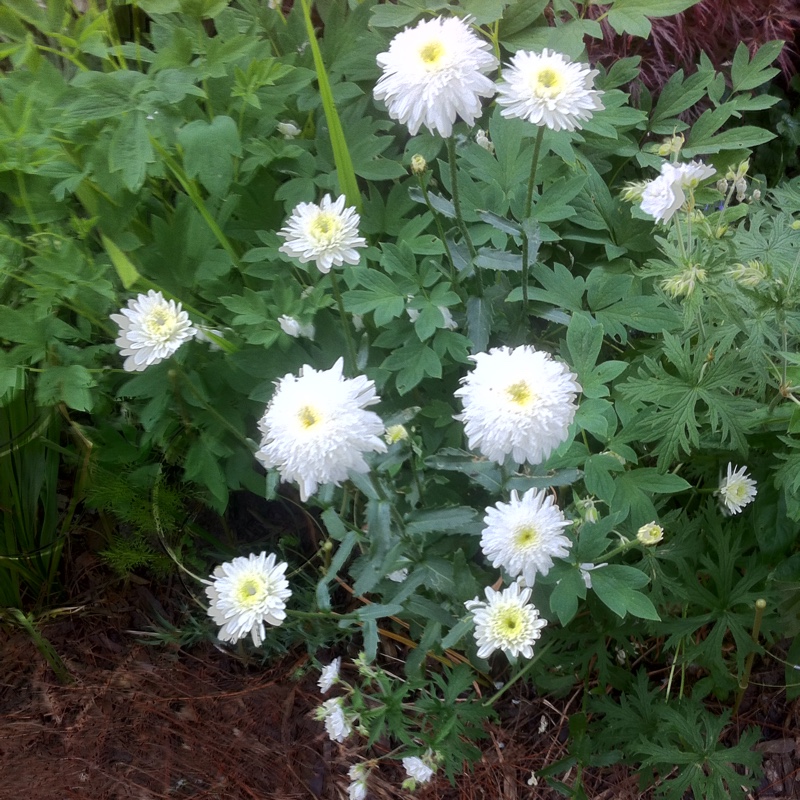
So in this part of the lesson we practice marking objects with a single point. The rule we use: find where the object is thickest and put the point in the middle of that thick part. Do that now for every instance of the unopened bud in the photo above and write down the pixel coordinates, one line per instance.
(418, 164)
(482, 139)
(722, 186)
(756, 196)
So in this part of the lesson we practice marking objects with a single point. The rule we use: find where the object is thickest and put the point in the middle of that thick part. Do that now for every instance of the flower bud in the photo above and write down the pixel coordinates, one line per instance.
(418, 164)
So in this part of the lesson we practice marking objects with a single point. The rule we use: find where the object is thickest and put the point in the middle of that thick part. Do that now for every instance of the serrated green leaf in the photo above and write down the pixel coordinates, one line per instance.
(209, 149)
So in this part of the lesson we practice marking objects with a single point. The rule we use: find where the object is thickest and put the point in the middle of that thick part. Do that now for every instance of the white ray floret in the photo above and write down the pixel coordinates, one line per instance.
(329, 675)
(506, 621)
(548, 89)
(419, 770)
(150, 330)
(519, 402)
(435, 73)
(247, 592)
(737, 489)
(316, 428)
(326, 234)
(524, 535)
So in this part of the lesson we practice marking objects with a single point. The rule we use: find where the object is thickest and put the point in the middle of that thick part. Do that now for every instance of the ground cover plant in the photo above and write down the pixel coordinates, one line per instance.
(526, 349)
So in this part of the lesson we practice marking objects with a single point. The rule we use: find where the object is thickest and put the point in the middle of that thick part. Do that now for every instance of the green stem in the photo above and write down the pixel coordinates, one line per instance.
(26, 203)
(761, 605)
(495, 697)
(439, 227)
(194, 195)
(351, 348)
(451, 157)
(526, 214)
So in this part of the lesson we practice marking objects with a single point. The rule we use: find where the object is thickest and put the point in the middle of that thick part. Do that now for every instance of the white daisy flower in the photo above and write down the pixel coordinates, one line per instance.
(245, 593)
(664, 195)
(650, 534)
(358, 774)
(547, 89)
(737, 490)
(288, 130)
(519, 401)
(150, 330)
(434, 73)
(326, 233)
(331, 712)
(417, 769)
(316, 427)
(506, 621)
(525, 535)
(329, 675)
(293, 327)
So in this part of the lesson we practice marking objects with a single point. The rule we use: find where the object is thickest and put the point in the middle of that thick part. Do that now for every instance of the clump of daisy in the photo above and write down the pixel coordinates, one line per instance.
(316, 428)
(247, 592)
(419, 770)
(326, 233)
(737, 490)
(650, 534)
(434, 73)
(547, 89)
(329, 675)
(664, 195)
(332, 713)
(506, 621)
(525, 535)
(519, 401)
(150, 330)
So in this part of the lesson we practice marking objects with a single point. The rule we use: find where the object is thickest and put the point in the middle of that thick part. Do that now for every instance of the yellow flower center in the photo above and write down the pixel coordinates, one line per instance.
(520, 394)
(526, 536)
(510, 623)
(160, 323)
(309, 417)
(325, 227)
(547, 82)
(250, 591)
(431, 53)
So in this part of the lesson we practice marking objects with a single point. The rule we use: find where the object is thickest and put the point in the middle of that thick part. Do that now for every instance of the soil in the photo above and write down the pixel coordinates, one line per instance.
(145, 721)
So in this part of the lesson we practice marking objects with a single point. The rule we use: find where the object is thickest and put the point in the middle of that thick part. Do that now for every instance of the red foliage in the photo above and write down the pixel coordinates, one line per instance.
(713, 26)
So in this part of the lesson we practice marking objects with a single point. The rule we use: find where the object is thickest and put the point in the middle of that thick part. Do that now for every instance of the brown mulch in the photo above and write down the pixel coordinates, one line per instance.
(160, 722)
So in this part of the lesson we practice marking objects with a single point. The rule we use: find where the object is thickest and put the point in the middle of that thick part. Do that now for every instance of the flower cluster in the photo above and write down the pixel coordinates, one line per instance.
(524, 535)
(736, 490)
(326, 234)
(150, 330)
(245, 593)
(664, 195)
(506, 621)
(316, 428)
(518, 401)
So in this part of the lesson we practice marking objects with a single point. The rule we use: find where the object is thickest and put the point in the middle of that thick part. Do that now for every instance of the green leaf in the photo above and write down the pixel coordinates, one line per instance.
(616, 586)
(564, 597)
(341, 155)
(631, 16)
(458, 519)
(750, 74)
(130, 150)
(209, 148)
(69, 385)
(127, 272)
